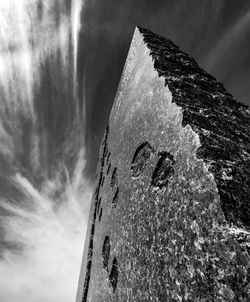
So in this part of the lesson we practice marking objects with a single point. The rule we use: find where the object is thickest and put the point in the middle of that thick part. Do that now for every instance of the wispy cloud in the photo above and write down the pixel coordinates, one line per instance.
(228, 40)
(41, 152)
(51, 237)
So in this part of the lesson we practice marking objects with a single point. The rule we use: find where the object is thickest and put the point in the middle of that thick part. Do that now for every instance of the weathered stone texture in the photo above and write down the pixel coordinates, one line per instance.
(223, 124)
(170, 217)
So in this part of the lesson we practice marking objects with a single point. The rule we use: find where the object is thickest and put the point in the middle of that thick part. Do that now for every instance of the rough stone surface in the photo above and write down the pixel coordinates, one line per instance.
(223, 124)
(170, 217)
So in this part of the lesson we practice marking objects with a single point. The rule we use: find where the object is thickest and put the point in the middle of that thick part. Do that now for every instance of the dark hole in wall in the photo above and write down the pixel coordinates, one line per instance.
(102, 180)
(115, 199)
(104, 154)
(105, 147)
(114, 178)
(97, 191)
(107, 160)
(140, 159)
(100, 215)
(163, 171)
(113, 277)
(90, 254)
(99, 204)
(106, 252)
(108, 168)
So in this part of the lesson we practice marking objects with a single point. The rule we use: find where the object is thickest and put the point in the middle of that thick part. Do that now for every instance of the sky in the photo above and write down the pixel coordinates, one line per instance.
(44, 192)
(215, 32)
(61, 62)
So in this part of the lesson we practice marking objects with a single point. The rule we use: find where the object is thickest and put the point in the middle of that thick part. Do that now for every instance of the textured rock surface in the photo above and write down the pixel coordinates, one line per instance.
(170, 217)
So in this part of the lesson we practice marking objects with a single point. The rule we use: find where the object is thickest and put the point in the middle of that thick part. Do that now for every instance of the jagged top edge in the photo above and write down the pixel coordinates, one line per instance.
(145, 32)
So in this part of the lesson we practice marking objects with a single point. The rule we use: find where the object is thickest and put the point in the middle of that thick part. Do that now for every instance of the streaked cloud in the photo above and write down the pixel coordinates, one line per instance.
(45, 196)
(50, 236)
(230, 38)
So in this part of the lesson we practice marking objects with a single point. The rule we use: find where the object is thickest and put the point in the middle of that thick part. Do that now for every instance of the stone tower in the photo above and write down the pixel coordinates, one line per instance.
(170, 216)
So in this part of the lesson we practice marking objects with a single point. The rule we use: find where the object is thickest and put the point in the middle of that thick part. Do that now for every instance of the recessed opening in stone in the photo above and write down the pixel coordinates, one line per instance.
(90, 254)
(114, 178)
(108, 157)
(102, 180)
(99, 204)
(106, 252)
(100, 215)
(113, 277)
(140, 159)
(115, 199)
(109, 166)
(163, 171)
(104, 154)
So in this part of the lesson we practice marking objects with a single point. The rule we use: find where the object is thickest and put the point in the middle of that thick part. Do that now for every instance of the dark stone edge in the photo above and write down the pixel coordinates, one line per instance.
(224, 151)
